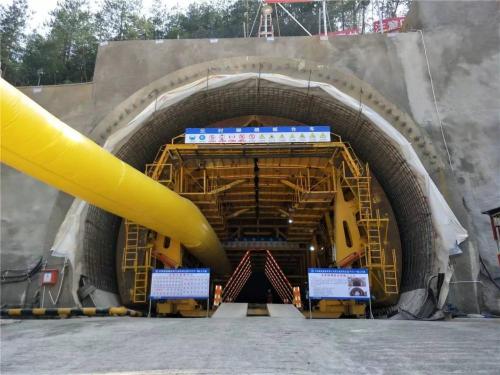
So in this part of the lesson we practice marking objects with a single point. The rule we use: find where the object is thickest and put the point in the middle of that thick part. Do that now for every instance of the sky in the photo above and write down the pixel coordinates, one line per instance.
(41, 8)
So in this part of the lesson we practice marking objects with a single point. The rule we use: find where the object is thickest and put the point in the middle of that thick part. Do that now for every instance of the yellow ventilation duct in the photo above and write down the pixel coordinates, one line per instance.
(36, 143)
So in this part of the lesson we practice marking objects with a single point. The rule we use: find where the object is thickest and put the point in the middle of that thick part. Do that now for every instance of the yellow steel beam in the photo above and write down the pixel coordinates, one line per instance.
(293, 186)
(348, 244)
(283, 212)
(330, 231)
(238, 213)
(227, 186)
(38, 144)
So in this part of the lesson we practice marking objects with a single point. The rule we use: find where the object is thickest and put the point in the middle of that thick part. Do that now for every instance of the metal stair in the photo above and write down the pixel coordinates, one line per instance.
(390, 275)
(371, 223)
(374, 249)
(364, 198)
(374, 256)
(137, 258)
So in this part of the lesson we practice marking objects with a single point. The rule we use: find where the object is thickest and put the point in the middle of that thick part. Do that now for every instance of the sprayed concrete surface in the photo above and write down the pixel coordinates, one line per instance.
(249, 346)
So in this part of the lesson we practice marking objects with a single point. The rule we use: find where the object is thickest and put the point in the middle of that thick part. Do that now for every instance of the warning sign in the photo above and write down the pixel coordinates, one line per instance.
(277, 134)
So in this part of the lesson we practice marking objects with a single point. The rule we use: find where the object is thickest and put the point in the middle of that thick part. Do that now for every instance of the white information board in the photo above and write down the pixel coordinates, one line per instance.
(263, 134)
(180, 283)
(338, 283)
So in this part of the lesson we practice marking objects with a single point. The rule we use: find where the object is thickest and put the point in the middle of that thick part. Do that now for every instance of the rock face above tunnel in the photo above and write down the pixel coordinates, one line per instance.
(463, 47)
(462, 50)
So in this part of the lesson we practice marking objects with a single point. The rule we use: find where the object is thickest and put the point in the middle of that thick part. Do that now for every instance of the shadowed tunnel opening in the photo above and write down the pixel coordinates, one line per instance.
(257, 290)
(308, 106)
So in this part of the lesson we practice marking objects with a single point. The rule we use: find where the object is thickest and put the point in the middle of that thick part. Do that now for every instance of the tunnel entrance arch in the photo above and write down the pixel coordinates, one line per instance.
(308, 105)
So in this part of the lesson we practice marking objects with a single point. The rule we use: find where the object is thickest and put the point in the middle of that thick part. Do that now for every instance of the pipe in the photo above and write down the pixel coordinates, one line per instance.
(38, 144)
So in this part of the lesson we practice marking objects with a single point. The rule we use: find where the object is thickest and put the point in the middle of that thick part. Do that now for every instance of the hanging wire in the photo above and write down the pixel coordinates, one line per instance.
(438, 114)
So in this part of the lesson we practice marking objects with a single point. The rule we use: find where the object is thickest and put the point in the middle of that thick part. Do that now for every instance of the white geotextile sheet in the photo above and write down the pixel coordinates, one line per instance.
(449, 231)
(68, 236)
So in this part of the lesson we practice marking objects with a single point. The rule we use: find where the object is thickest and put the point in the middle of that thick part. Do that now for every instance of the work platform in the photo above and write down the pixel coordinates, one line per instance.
(248, 346)
(316, 198)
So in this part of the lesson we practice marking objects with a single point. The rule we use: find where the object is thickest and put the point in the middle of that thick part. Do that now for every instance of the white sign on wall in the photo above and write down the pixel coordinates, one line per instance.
(338, 283)
(180, 283)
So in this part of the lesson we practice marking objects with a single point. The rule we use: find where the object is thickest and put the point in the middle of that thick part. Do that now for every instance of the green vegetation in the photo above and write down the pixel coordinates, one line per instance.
(66, 51)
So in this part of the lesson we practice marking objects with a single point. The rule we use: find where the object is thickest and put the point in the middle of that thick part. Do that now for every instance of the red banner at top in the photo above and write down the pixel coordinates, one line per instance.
(389, 24)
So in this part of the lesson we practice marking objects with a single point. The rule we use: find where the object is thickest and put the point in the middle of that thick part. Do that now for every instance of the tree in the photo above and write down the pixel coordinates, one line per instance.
(67, 53)
(390, 8)
(159, 19)
(307, 14)
(12, 26)
(38, 62)
(201, 21)
(120, 20)
(72, 34)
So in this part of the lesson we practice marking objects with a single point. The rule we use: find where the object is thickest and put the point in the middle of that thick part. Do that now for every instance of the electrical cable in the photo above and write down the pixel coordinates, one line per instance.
(435, 101)
(419, 317)
(22, 275)
(54, 302)
(20, 270)
(488, 272)
(427, 289)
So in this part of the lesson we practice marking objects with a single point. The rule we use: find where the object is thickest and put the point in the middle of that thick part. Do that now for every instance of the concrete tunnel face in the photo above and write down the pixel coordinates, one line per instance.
(308, 106)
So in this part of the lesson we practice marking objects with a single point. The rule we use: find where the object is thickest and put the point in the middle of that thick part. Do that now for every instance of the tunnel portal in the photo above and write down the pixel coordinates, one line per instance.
(271, 103)
(310, 205)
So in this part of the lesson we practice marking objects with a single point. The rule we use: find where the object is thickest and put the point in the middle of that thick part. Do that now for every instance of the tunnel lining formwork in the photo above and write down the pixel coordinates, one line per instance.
(310, 106)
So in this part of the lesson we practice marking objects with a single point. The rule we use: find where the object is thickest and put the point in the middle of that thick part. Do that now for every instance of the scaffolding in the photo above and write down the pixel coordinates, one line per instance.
(281, 193)
(375, 228)
(266, 28)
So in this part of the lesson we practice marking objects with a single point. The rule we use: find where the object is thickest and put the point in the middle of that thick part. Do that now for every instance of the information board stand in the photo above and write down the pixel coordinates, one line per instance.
(180, 283)
(310, 309)
(339, 284)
